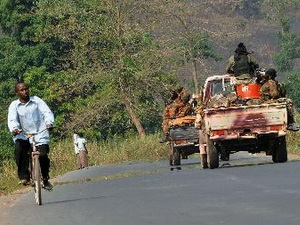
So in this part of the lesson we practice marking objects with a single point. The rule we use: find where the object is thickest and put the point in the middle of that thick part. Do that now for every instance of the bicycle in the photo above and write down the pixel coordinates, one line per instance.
(35, 168)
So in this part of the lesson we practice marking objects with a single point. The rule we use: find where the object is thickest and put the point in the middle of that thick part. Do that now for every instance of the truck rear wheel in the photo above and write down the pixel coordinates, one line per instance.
(212, 154)
(279, 153)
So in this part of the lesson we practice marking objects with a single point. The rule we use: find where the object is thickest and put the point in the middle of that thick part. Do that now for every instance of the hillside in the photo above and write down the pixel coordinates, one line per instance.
(229, 23)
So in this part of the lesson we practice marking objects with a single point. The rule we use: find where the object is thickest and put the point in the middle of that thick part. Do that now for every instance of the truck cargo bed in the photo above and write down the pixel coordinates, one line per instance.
(245, 121)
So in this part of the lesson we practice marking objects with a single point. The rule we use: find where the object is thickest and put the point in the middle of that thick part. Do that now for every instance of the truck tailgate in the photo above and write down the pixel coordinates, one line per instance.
(257, 119)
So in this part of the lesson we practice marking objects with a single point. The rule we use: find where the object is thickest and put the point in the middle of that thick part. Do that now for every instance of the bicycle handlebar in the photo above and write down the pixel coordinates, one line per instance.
(28, 134)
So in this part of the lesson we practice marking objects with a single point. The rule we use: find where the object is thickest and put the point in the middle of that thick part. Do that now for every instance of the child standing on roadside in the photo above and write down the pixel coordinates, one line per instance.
(80, 151)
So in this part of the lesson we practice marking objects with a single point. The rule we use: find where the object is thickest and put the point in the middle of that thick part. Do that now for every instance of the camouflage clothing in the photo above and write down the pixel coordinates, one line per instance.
(269, 90)
(170, 113)
(179, 108)
(184, 110)
(270, 93)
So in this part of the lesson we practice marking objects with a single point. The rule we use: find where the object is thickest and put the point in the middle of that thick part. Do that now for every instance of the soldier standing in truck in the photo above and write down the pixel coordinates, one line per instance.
(242, 65)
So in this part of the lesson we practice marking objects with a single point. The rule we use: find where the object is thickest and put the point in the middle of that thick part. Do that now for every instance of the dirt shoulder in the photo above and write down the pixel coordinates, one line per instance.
(7, 201)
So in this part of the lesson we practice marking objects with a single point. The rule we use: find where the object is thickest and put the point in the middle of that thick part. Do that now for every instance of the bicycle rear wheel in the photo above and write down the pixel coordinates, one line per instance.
(37, 180)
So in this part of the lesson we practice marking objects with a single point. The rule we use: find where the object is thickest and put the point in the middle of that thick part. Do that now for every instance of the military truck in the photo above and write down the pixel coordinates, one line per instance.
(183, 139)
(243, 125)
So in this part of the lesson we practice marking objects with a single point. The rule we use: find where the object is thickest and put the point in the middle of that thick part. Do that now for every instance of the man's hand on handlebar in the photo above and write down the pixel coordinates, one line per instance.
(16, 131)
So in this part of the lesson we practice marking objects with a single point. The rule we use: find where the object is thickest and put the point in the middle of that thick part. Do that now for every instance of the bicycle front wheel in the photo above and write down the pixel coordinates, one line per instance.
(37, 180)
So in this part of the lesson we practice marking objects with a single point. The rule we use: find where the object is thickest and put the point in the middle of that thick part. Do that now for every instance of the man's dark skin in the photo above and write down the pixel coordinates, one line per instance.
(22, 92)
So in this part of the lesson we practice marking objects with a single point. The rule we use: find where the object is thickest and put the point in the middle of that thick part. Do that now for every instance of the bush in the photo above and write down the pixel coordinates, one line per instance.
(7, 145)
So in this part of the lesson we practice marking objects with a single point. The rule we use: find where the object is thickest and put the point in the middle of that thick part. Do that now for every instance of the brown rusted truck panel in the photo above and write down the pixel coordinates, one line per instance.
(245, 121)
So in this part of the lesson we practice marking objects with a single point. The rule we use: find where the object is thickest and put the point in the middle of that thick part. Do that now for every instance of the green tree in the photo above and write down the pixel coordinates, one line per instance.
(116, 74)
(183, 37)
(289, 51)
(293, 86)
(19, 54)
(283, 12)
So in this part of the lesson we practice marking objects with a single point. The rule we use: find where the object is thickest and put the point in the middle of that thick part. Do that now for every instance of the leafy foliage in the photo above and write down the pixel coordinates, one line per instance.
(289, 50)
(293, 87)
(282, 12)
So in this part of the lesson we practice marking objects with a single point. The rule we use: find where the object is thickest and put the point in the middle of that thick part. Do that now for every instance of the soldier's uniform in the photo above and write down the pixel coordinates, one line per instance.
(242, 65)
(178, 108)
(170, 112)
(270, 93)
(269, 90)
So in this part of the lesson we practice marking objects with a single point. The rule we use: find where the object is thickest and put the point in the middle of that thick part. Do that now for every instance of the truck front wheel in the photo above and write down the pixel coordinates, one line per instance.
(279, 153)
(212, 154)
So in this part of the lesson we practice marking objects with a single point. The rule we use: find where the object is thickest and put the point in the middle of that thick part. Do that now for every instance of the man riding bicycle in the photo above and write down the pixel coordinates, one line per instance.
(30, 114)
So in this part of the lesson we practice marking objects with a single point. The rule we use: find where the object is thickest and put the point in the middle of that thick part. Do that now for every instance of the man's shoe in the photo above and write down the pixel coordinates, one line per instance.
(47, 185)
(293, 127)
(24, 182)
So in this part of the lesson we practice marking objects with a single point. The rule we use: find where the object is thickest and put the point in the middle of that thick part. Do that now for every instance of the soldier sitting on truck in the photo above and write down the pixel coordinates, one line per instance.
(270, 91)
(242, 65)
(179, 107)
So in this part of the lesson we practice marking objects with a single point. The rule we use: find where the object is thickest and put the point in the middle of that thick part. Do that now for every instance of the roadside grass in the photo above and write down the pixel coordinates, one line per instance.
(63, 159)
(293, 139)
(293, 142)
(108, 152)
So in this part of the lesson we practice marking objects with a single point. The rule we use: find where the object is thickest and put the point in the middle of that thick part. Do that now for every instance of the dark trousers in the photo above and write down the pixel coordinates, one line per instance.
(22, 150)
(44, 160)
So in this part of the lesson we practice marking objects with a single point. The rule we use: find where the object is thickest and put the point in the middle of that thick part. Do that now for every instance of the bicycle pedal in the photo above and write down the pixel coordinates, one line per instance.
(48, 189)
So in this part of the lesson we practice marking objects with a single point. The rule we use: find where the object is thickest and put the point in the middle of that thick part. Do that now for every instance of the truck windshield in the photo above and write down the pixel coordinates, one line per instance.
(219, 86)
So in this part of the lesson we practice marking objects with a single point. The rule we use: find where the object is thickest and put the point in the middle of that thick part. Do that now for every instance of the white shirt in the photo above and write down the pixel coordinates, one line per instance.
(32, 117)
(79, 143)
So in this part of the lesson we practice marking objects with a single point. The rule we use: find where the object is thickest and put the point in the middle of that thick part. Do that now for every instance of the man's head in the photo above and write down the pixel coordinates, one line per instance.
(241, 49)
(271, 73)
(22, 91)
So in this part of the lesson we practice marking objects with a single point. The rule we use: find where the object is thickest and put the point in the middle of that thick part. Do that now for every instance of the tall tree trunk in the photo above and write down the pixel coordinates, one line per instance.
(195, 76)
(134, 118)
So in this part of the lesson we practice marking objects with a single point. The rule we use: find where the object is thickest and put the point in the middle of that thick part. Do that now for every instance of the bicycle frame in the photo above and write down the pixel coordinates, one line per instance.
(35, 169)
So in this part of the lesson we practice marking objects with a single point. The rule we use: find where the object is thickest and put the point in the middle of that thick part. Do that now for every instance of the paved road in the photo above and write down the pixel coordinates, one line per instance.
(249, 190)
